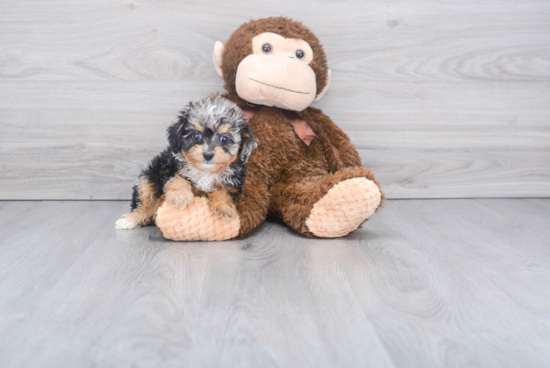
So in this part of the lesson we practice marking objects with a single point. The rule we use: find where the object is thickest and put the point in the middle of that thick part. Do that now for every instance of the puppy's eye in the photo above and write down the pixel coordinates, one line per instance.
(197, 136)
(223, 139)
(300, 54)
(266, 48)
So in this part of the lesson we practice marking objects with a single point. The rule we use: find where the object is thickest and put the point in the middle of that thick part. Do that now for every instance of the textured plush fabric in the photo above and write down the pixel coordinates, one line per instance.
(345, 206)
(194, 222)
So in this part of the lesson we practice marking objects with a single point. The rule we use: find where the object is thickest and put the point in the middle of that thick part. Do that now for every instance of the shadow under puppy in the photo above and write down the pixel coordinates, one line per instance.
(208, 150)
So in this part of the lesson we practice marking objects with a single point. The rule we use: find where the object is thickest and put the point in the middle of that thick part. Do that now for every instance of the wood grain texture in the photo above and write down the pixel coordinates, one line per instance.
(426, 283)
(442, 99)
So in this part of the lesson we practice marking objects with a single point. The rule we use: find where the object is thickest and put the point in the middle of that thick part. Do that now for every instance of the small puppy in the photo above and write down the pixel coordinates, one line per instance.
(208, 150)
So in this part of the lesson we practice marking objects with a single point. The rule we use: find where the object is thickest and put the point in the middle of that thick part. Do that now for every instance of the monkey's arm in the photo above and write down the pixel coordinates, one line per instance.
(340, 140)
(252, 204)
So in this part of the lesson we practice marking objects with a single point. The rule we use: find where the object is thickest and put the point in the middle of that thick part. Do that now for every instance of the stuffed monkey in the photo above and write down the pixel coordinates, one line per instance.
(305, 170)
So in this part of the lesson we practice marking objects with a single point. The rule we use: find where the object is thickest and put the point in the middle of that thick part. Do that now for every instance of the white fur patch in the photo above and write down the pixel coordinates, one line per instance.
(206, 181)
(125, 224)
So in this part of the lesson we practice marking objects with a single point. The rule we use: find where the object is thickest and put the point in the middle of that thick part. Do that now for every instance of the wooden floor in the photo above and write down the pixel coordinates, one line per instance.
(426, 283)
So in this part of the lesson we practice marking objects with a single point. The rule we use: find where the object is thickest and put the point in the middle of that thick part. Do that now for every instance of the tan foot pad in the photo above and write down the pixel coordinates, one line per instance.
(345, 206)
(194, 222)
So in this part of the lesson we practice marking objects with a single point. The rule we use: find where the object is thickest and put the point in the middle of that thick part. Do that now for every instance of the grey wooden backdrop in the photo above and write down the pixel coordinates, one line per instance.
(442, 99)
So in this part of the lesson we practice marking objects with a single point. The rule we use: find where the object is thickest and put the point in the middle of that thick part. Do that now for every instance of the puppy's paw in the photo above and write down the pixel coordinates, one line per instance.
(179, 198)
(224, 210)
(126, 222)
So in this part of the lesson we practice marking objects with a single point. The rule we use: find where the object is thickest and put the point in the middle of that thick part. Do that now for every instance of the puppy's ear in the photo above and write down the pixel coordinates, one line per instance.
(248, 143)
(175, 131)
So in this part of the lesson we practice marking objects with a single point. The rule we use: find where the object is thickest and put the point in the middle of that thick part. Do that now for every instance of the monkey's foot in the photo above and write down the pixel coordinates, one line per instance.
(345, 206)
(195, 222)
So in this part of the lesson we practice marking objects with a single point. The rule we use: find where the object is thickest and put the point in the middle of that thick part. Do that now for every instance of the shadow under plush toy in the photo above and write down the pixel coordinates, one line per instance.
(305, 170)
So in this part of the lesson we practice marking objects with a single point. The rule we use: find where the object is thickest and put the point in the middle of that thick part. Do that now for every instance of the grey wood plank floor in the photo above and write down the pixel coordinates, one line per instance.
(425, 283)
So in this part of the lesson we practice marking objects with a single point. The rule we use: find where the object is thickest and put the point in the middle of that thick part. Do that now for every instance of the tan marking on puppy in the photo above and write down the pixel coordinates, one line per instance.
(233, 191)
(147, 192)
(222, 160)
(199, 193)
(194, 156)
(223, 129)
(197, 126)
(221, 204)
(146, 212)
(178, 191)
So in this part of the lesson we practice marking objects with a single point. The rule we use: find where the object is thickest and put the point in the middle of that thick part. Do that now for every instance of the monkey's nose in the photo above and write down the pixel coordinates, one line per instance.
(208, 156)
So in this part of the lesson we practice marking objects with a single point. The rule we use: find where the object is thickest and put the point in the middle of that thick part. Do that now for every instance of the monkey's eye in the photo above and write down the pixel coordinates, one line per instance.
(223, 139)
(266, 48)
(300, 54)
(197, 136)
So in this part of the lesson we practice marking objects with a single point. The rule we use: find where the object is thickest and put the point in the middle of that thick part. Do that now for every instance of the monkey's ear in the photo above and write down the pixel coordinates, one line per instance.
(324, 89)
(218, 54)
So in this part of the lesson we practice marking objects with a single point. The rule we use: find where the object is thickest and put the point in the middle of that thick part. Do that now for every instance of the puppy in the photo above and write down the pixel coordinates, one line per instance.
(208, 150)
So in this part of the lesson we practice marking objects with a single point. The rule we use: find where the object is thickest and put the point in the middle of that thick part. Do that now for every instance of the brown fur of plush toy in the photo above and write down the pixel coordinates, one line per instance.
(294, 176)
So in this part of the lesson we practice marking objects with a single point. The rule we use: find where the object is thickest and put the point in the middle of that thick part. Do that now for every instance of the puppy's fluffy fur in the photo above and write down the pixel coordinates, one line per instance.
(208, 150)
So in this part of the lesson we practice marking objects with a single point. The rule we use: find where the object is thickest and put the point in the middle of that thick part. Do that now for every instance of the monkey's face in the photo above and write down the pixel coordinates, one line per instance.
(273, 61)
(277, 73)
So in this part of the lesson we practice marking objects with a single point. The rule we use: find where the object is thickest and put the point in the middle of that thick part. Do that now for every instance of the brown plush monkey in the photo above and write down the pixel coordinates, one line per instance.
(305, 170)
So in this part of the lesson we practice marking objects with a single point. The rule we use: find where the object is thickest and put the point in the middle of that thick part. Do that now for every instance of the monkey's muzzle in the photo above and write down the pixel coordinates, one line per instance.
(278, 81)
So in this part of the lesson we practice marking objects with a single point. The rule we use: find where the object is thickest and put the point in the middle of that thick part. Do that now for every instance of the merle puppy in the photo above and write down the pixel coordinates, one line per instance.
(208, 149)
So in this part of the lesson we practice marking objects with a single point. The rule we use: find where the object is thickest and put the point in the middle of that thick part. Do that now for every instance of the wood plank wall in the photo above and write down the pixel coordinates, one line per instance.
(443, 99)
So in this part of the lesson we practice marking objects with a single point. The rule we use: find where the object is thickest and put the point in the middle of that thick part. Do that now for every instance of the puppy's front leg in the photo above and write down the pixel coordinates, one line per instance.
(222, 205)
(178, 191)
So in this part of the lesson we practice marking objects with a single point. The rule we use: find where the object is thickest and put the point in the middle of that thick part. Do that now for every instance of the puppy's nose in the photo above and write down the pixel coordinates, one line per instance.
(208, 156)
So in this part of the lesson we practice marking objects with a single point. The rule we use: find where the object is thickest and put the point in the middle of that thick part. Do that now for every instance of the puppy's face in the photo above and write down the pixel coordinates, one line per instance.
(211, 134)
(210, 148)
